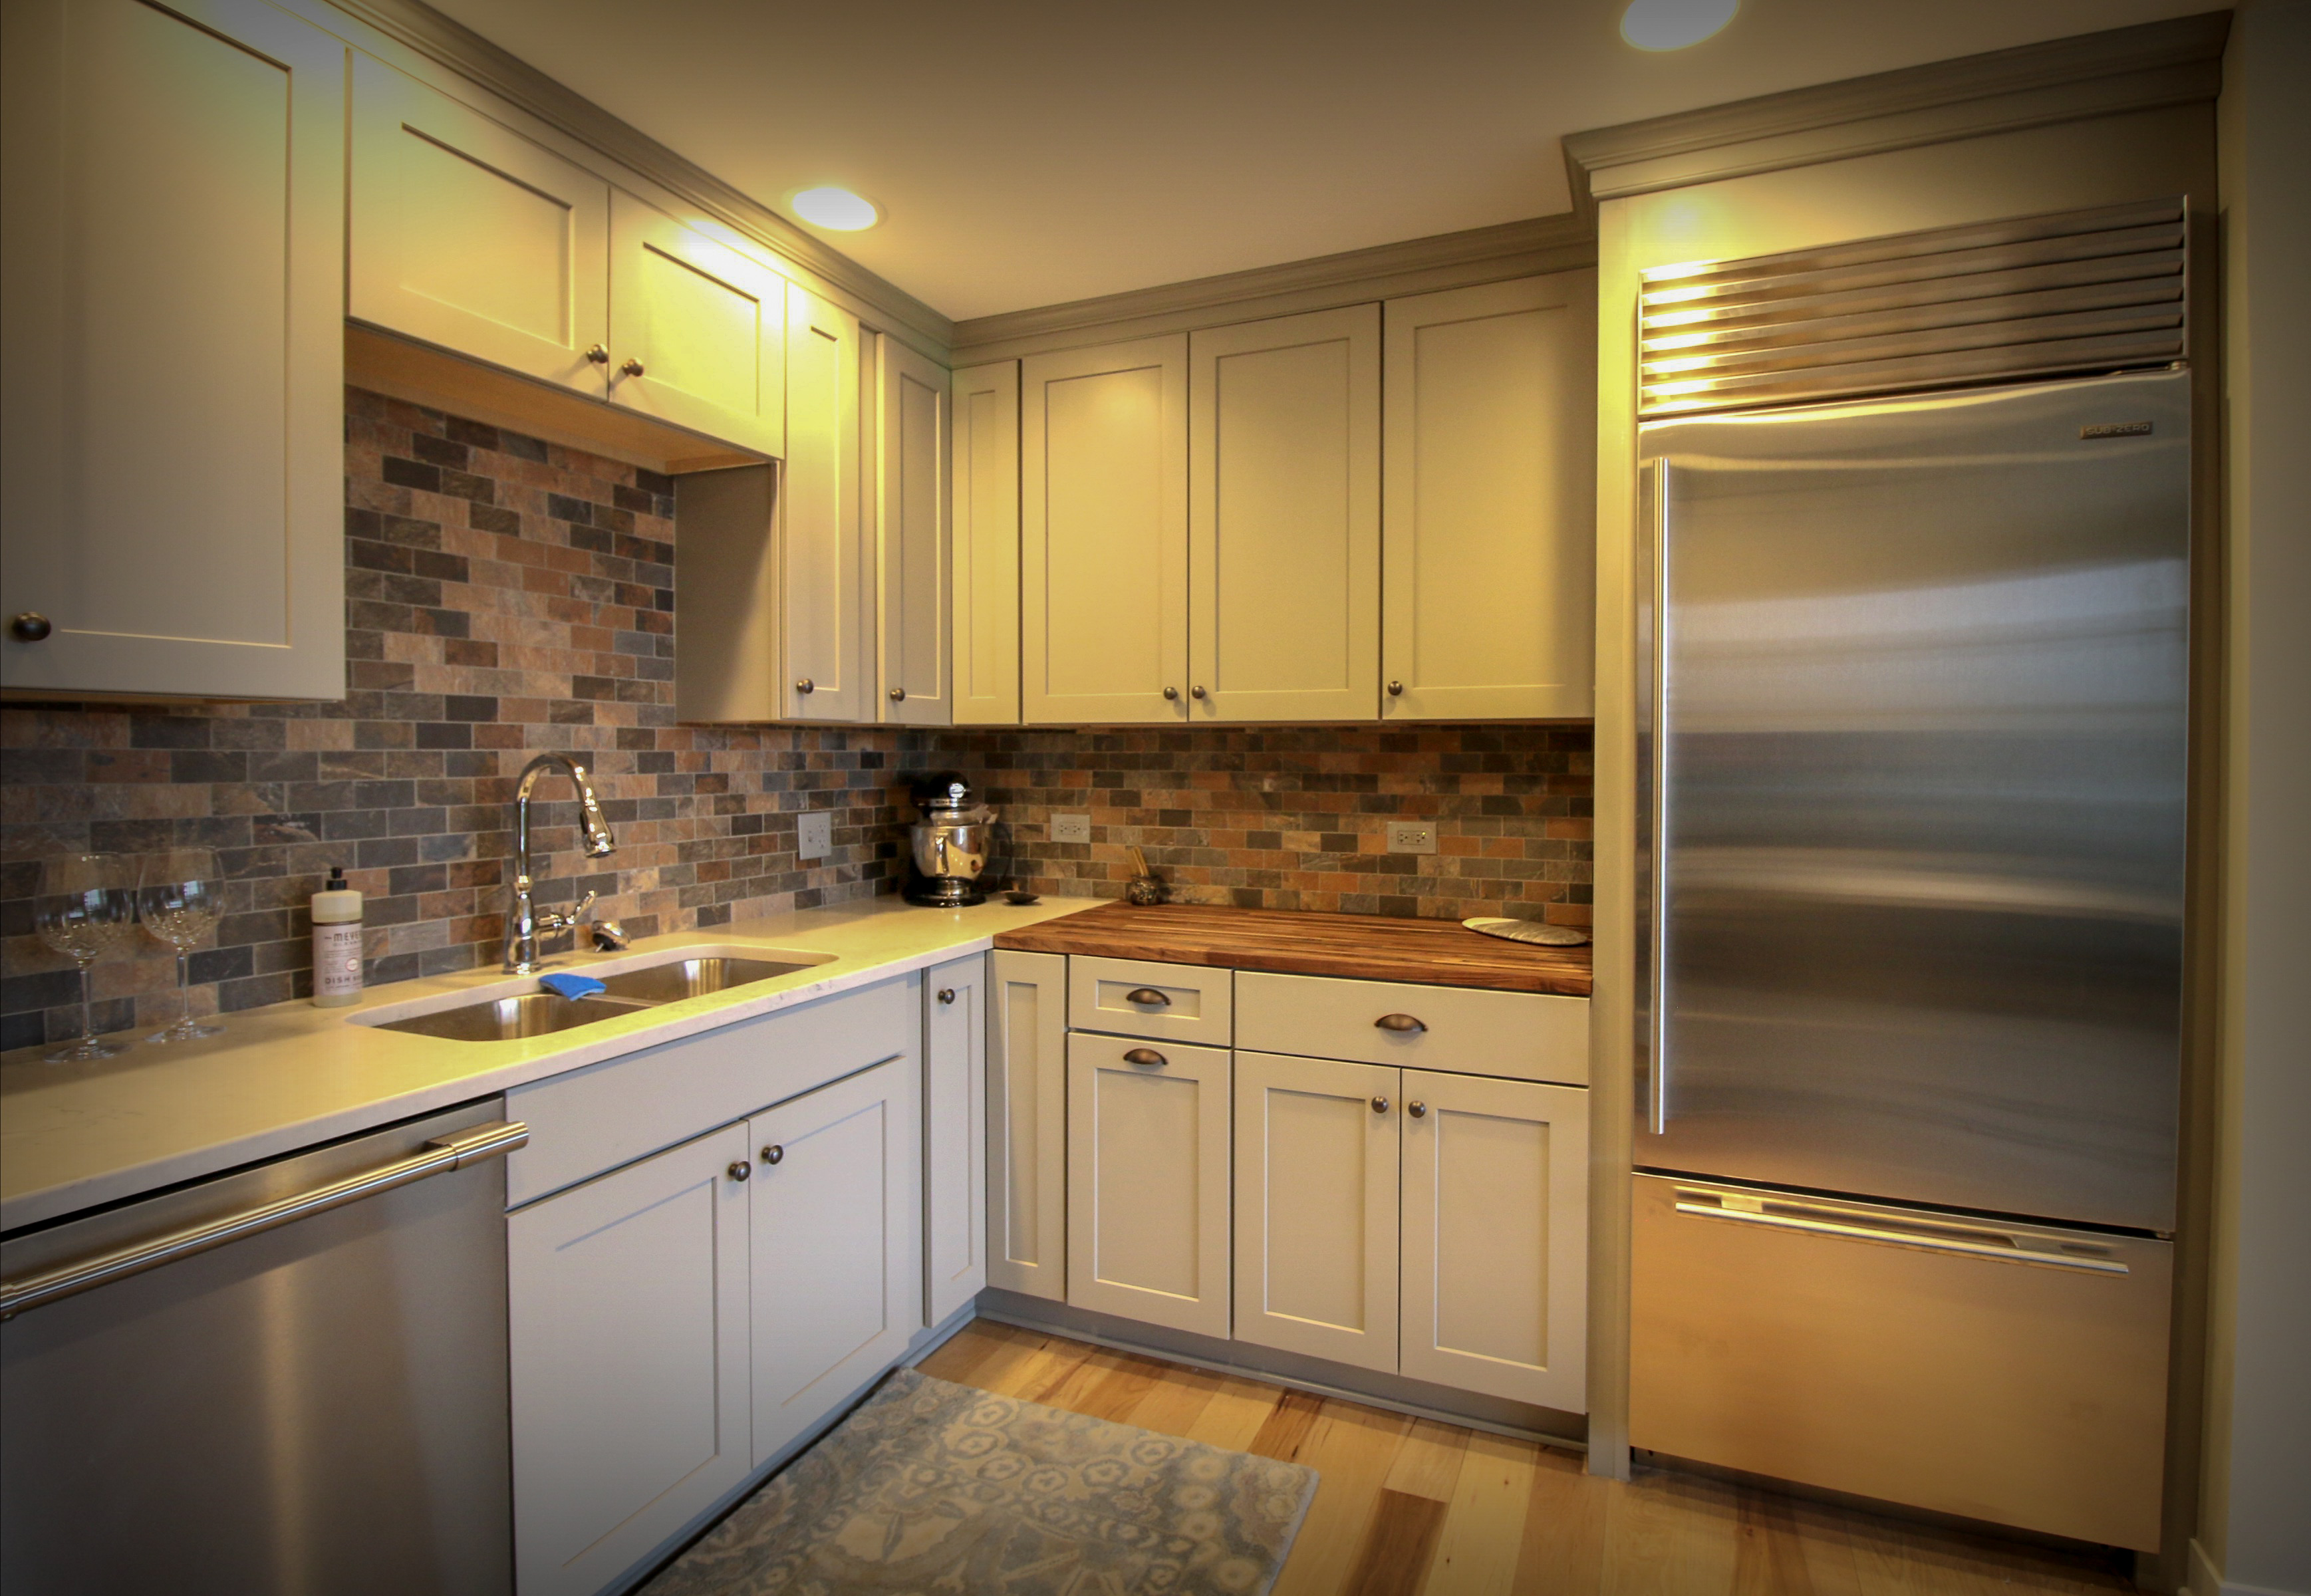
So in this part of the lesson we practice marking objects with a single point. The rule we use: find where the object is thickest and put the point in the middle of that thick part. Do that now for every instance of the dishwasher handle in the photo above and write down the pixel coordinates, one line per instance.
(443, 1154)
(2015, 1250)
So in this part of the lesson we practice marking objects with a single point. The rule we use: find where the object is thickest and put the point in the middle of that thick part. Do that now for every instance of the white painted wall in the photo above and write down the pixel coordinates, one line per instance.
(2255, 1529)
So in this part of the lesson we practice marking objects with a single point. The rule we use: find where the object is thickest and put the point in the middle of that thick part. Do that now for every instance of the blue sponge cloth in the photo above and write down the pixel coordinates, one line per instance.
(572, 986)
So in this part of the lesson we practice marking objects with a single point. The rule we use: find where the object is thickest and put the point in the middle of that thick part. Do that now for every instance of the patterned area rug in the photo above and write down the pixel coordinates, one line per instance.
(934, 1487)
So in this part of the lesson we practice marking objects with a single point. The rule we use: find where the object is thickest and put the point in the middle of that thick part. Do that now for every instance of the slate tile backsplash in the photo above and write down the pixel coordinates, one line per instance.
(505, 597)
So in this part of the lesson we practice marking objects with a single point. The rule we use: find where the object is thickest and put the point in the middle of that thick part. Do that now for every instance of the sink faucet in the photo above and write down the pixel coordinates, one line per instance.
(524, 922)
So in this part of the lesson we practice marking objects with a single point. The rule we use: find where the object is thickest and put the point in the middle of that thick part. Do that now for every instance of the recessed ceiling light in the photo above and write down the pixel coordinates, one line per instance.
(1673, 24)
(837, 209)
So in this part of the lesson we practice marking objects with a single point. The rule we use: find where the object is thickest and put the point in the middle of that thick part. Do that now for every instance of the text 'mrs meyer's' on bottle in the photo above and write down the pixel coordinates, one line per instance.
(336, 943)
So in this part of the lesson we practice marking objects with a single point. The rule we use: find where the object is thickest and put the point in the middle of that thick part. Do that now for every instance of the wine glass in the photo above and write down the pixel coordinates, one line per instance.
(87, 907)
(180, 902)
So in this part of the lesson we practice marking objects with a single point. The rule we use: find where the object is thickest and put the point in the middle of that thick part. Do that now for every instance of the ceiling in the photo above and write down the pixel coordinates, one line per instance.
(1027, 152)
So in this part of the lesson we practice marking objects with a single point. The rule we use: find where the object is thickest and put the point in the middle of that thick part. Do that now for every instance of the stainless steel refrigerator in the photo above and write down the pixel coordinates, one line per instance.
(1914, 771)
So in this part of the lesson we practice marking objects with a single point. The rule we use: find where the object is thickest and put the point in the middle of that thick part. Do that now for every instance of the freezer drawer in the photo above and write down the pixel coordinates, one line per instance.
(2010, 1373)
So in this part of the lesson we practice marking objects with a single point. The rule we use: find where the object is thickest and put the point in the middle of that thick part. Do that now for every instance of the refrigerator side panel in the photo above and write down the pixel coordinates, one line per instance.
(1922, 723)
(1901, 1355)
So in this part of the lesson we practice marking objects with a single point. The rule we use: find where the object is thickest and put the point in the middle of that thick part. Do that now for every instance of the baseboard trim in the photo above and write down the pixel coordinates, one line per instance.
(2207, 1580)
(1490, 1415)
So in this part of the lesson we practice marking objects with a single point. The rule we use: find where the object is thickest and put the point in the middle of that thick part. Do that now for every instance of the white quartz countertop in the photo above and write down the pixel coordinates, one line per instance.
(74, 1136)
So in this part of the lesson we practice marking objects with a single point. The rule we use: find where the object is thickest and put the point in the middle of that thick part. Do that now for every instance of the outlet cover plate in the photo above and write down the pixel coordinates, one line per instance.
(1070, 828)
(815, 834)
(1411, 836)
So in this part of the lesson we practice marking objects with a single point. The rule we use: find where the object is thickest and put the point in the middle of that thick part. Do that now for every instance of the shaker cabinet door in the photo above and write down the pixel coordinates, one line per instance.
(1495, 1205)
(913, 574)
(1103, 533)
(826, 613)
(469, 236)
(954, 1135)
(1147, 1181)
(1284, 518)
(1488, 585)
(1315, 1208)
(697, 329)
(628, 1361)
(985, 500)
(1027, 1124)
(172, 213)
(837, 1225)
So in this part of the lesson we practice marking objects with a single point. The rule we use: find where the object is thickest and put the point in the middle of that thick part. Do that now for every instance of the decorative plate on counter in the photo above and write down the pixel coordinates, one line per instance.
(1528, 930)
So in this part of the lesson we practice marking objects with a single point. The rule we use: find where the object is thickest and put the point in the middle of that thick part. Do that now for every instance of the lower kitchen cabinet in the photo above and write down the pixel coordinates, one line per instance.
(1495, 1250)
(954, 1135)
(628, 1361)
(1147, 1181)
(1315, 1208)
(1027, 1124)
(835, 1272)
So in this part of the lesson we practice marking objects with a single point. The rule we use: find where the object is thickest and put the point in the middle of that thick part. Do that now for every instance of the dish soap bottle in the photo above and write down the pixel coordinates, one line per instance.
(336, 943)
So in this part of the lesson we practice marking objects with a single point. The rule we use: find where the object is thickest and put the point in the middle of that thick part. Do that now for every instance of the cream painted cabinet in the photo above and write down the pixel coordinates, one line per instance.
(1027, 1124)
(171, 350)
(1147, 1181)
(836, 1226)
(1104, 534)
(1488, 583)
(1284, 478)
(1316, 1207)
(954, 1135)
(467, 235)
(1495, 1179)
(826, 611)
(628, 1361)
(985, 499)
(914, 575)
(698, 330)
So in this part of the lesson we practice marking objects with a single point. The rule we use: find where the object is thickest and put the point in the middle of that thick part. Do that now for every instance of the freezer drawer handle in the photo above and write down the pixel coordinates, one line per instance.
(2016, 1253)
(443, 1154)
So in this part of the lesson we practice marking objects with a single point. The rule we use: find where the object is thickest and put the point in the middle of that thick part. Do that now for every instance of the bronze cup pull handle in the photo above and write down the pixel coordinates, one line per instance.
(1147, 997)
(1146, 1055)
(1400, 1023)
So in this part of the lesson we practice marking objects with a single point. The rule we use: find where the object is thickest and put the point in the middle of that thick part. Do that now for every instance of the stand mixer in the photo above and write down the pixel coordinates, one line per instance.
(949, 844)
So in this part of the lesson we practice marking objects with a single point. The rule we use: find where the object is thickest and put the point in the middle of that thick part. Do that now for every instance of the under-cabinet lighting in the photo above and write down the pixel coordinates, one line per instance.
(1673, 24)
(837, 209)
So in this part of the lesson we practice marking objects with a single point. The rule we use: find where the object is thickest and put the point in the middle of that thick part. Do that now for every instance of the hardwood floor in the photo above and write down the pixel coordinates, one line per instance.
(1407, 1506)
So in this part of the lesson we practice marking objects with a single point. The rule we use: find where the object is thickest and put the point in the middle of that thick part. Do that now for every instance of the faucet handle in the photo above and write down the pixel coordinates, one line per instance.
(609, 936)
(557, 919)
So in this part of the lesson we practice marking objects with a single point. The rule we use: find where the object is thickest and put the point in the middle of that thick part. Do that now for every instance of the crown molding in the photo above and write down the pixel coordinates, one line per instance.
(2155, 63)
(1354, 276)
(452, 44)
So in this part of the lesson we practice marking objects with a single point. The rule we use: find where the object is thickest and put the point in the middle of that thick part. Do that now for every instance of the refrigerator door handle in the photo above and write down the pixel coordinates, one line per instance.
(2013, 1249)
(1653, 789)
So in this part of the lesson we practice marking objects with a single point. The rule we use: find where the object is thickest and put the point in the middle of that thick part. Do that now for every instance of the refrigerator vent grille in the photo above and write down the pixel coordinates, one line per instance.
(2100, 290)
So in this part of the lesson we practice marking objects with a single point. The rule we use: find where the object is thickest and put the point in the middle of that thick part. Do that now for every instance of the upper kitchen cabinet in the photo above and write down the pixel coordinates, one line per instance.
(698, 331)
(1284, 518)
(172, 218)
(469, 236)
(1103, 524)
(825, 613)
(985, 499)
(912, 576)
(1489, 570)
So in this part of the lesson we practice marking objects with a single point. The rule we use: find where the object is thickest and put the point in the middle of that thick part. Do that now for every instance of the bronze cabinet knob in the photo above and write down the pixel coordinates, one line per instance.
(599, 355)
(1416, 1108)
(1400, 1023)
(1396, 690)
(773, 1153)
(1195, 692)
(740, 1170)
(1171, 692)
(30, 627)
(1146, 1055)
(805, 684)
(633, 367)
(946, 994)
(1380, 1105)
(898, 695)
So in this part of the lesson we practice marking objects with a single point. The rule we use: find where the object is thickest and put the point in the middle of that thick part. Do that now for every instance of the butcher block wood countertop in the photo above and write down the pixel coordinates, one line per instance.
(1285, 942)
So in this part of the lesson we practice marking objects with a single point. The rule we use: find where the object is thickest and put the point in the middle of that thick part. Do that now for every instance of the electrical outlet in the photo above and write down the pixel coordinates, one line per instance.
(813, 835)
(1411, 836)
(1070, 828)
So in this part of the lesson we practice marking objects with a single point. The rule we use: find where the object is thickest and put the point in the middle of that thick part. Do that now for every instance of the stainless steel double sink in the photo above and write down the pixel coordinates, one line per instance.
(628, 992)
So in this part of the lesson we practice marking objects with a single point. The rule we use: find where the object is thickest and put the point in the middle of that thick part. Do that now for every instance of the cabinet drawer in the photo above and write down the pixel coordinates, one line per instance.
(1521, 1035)
(1181, 1002)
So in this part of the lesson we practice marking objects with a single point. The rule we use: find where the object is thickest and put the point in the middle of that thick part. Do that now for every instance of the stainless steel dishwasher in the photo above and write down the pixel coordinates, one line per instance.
(290, 1379)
